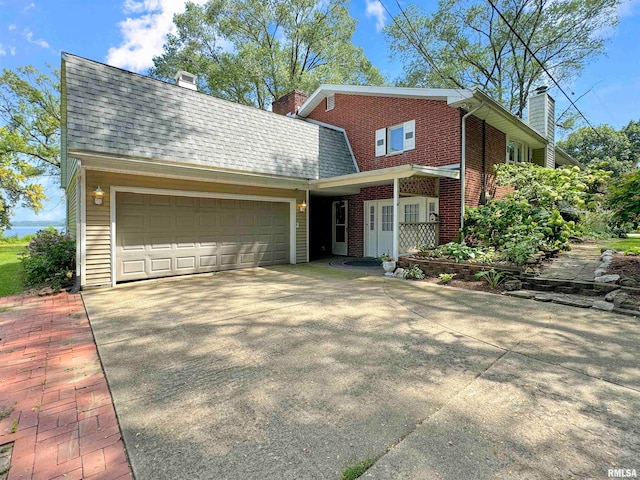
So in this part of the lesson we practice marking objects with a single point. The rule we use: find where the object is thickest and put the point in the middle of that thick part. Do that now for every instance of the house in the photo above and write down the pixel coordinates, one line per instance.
(164, 180)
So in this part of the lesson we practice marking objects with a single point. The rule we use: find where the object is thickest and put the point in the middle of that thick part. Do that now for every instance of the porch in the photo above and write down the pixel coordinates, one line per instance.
(394, 210)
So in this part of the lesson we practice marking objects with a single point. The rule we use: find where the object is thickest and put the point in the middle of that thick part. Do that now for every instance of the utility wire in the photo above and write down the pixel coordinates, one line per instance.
(414, 40)
(533, 55)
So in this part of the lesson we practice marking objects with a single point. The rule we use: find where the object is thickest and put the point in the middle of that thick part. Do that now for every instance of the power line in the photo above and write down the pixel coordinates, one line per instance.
(533, 55)
(417, 44)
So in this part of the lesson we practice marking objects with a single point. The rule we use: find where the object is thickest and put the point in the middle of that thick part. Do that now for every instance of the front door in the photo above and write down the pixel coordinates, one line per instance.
(339, 233)
(378, 227)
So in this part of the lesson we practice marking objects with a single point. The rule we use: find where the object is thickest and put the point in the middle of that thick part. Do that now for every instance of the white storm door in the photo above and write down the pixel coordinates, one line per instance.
(385, 227)
(339, 231)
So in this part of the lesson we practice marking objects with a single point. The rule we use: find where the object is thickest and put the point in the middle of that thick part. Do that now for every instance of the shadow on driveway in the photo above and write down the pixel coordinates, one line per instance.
(295, 372)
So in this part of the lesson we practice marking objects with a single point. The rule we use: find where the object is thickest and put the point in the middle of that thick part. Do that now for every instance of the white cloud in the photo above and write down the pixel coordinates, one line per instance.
(28, 7)
(12, 27)
(144, 32)
(28, 34)
(3, 50)
(376, 10)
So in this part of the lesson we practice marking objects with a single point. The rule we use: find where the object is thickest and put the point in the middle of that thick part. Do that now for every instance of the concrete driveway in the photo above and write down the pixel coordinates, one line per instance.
(301, 371)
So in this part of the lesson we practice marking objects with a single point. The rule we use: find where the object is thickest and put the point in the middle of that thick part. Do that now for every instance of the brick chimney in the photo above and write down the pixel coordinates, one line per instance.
(290, 103)
(541, 116)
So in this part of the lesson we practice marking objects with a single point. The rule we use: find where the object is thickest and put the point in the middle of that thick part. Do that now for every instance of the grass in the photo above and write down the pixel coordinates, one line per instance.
(355, 471)
(11, 274)
(622, 244)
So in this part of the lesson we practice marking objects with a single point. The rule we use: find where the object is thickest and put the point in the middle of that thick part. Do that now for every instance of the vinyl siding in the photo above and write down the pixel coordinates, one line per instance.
(72, 206)
(98, 234)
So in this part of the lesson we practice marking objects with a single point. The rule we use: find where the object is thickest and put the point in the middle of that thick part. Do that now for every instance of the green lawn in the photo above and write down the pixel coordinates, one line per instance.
(622, 244)
(10, 269)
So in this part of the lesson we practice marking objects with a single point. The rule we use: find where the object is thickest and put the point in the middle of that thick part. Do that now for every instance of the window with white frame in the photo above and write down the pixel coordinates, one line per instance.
(331, 102)
(396, 138)
(372, 218)
(517, 152)
(411, 213)
(387, 218)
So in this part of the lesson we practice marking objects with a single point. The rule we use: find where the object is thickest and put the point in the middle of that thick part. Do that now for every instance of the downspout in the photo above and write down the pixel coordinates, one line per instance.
(483, 178)
(463, 163)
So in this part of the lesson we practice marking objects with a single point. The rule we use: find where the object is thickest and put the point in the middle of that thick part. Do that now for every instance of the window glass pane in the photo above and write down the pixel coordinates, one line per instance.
(372, 217)
(340, 213)
(387, 218)
(511, 152)
(396, 139)
(411, 212)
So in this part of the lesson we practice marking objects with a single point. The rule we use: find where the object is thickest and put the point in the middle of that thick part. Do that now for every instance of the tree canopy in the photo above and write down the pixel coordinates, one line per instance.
(466, 44)
(253, 52)
(604, 147)
(29, 137)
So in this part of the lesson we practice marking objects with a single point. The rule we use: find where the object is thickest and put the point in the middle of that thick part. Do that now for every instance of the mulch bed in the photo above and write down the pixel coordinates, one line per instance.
(625, 266)
(477, 286)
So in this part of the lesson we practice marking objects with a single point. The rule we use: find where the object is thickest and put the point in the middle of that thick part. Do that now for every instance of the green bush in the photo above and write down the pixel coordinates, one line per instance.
(414, 273)
(517, 229)
(49, 259)
(459, 253)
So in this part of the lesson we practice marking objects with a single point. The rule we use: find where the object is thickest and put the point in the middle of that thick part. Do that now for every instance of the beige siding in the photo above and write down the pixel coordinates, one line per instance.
(72, 206)
(98, 235)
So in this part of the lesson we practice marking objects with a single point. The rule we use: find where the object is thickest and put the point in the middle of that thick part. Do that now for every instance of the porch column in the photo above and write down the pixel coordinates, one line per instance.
(396, 223)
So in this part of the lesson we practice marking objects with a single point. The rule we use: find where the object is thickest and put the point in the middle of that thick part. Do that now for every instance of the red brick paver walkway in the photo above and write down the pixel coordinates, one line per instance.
(51, 375)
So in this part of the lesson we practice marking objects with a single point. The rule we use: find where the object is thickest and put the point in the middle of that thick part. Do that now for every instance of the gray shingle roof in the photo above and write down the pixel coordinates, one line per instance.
(113, 111)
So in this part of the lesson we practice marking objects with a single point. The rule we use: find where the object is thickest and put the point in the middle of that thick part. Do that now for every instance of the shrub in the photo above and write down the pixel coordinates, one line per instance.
(492, 277)
(446, 277)
(458, 252)
(49, 259)
(414, 273)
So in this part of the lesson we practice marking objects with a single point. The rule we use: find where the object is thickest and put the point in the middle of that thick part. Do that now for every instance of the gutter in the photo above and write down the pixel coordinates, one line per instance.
(463, 162)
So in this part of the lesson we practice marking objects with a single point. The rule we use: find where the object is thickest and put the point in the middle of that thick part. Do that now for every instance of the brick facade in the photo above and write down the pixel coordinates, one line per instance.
(289, 103)
(437, 139)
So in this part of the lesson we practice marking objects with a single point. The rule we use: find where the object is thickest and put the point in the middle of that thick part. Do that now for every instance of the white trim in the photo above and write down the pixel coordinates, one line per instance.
(382, 175)
(78, 223)
(233, 177)
(83, 226)
(190, 193)
(324, 90)
(396, 223)
(308, 207)
(337, 129)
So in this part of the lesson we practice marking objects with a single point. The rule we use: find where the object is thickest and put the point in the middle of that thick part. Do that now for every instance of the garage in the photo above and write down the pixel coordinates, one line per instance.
(167, 235)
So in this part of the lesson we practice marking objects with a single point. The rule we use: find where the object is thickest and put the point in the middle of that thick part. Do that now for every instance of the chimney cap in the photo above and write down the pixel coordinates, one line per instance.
(541, 89)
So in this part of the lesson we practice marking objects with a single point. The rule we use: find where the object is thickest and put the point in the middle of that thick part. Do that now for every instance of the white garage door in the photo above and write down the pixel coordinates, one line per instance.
(162, 235)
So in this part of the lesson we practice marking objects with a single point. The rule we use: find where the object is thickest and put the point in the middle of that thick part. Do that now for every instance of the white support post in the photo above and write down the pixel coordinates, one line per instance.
(396, 201)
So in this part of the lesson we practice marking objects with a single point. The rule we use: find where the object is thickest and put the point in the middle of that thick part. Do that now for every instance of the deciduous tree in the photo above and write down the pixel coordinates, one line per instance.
(465, 43)
(253, 52)
(29, 137)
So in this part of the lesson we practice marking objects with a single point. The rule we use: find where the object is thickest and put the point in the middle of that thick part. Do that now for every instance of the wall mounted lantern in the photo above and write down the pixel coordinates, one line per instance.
(302, 207)
(97, 196)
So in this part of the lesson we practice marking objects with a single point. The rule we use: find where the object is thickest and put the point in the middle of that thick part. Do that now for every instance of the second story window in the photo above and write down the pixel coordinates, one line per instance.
(396, 138)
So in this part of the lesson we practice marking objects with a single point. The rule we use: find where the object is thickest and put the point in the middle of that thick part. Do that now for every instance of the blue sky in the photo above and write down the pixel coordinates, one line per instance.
(128, 33)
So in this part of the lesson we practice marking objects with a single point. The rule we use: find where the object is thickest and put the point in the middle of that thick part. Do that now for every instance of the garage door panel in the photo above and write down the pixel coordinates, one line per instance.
(207, 241)
(166, 235)
(133, 266)
(186, 263)
(186, 222)
(160, 200)
(208, 261)
(160, 264)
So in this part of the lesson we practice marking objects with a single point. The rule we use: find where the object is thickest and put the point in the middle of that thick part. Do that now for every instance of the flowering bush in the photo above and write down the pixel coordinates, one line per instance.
(49, 259)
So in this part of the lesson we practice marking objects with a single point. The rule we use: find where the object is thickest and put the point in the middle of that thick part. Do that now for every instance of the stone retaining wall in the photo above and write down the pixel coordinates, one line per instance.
(463, 271)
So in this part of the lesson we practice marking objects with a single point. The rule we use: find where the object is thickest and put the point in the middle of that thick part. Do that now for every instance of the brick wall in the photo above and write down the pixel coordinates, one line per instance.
(437, 135)
(437, 128)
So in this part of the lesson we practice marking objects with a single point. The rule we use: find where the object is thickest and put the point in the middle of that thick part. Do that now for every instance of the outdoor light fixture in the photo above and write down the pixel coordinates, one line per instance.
(97, 196)
(302, 207)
